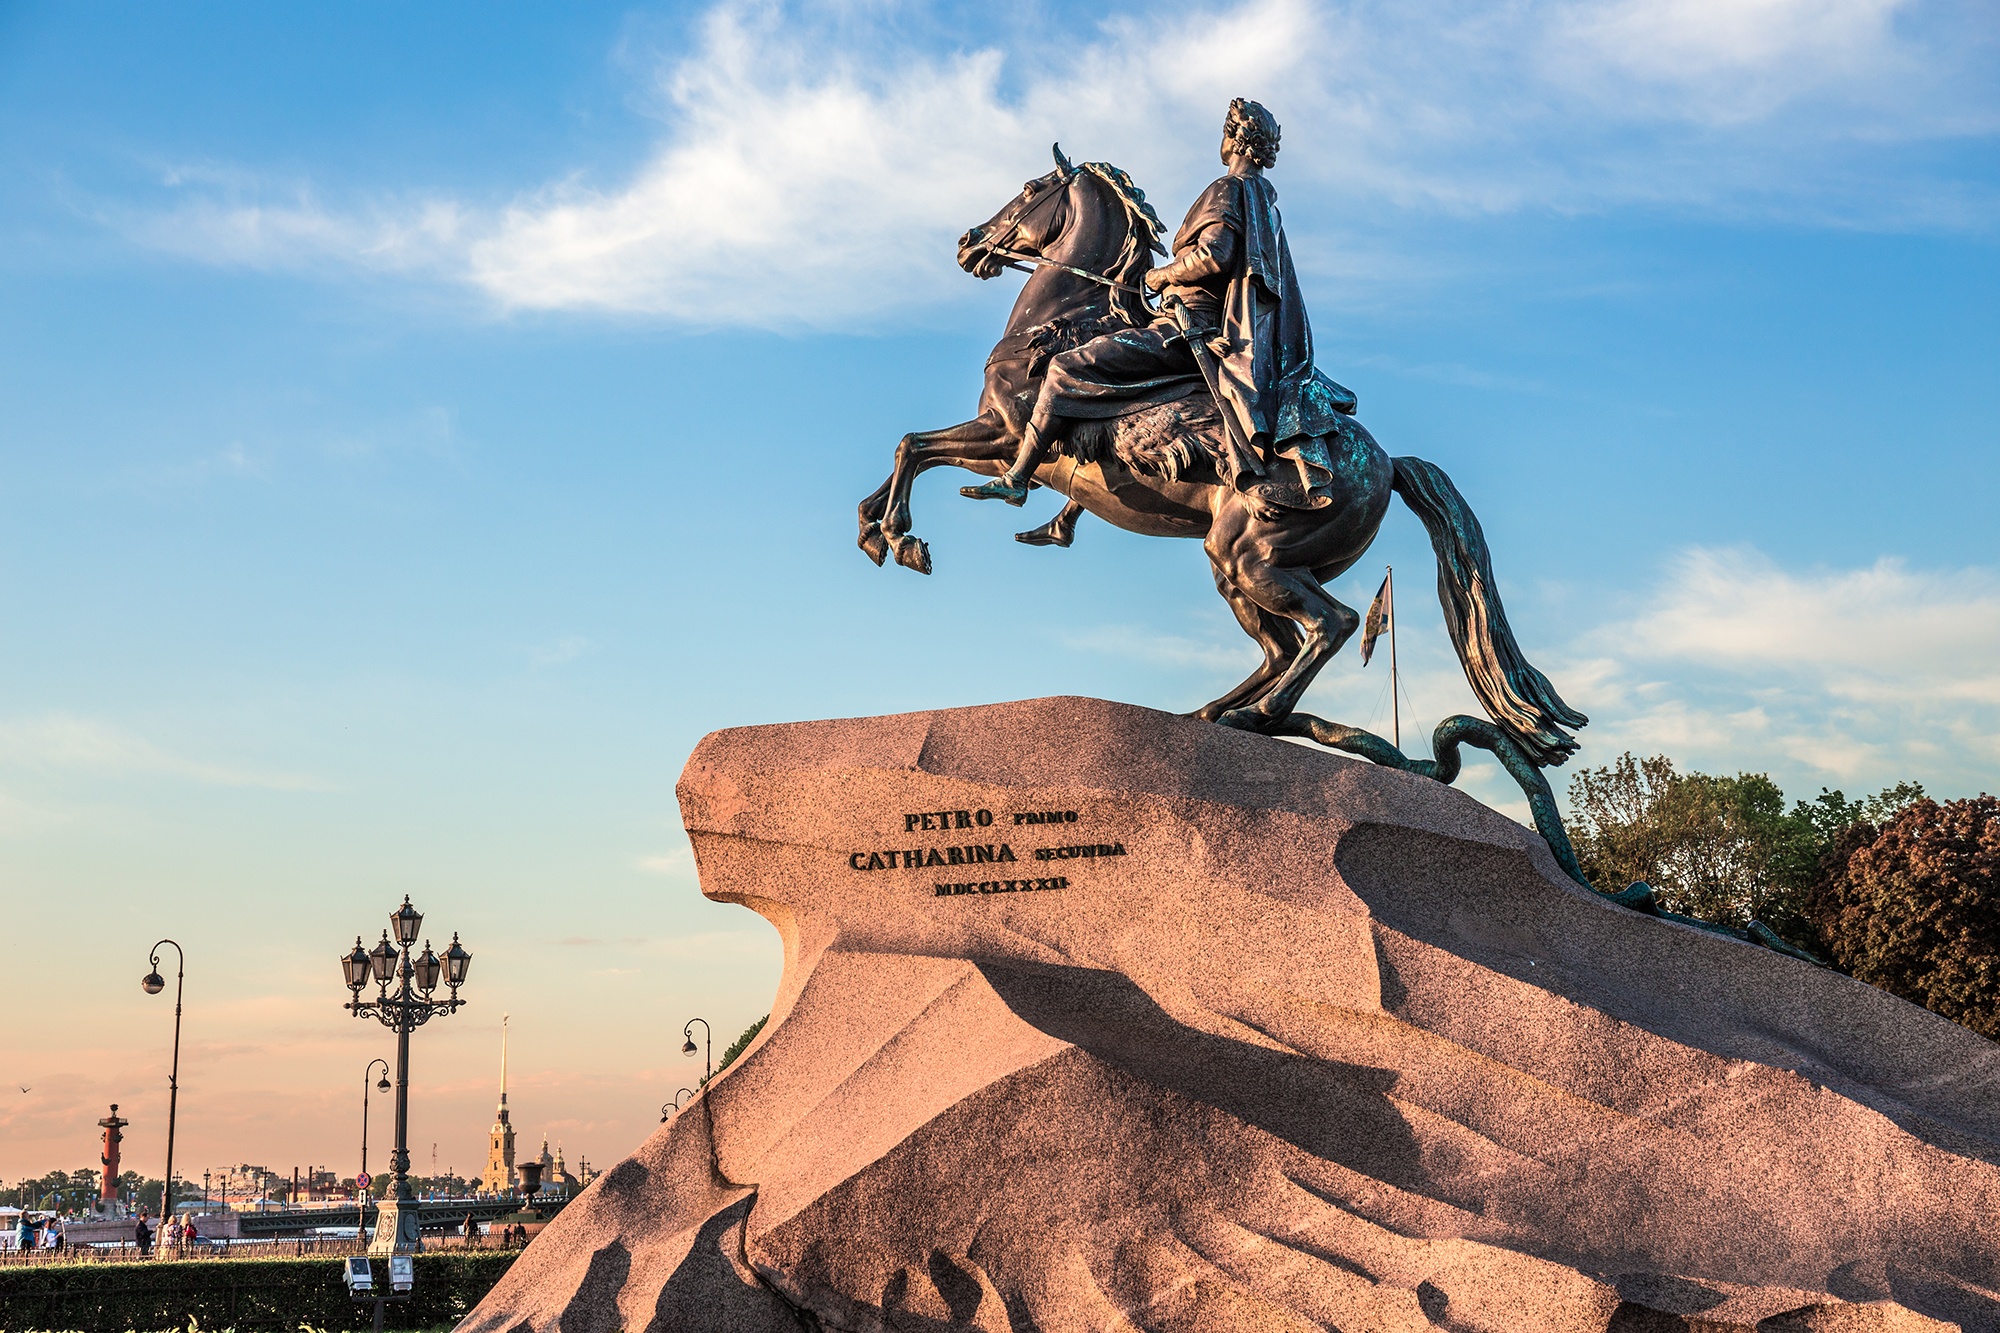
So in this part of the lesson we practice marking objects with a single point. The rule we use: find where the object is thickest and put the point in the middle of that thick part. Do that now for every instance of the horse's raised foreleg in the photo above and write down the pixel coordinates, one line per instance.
(1247, 550)
(1278, 637)
(885, 515)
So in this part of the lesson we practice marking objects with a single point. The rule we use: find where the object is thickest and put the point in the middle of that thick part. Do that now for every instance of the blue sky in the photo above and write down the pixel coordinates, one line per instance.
(424, 424)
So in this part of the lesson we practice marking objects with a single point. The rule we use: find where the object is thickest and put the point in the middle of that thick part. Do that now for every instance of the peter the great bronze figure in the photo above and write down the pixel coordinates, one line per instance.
(1203, 416)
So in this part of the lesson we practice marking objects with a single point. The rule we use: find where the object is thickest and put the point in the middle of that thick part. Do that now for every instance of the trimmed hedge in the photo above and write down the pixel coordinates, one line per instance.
(236, 1293)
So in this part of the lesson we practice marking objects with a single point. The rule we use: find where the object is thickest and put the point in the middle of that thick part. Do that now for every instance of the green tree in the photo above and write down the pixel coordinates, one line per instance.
(737, 1047)
(1722, 849)
(1914, 907)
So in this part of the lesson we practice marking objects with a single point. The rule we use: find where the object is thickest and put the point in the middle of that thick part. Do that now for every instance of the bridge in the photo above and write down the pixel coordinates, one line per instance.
(432, 1214)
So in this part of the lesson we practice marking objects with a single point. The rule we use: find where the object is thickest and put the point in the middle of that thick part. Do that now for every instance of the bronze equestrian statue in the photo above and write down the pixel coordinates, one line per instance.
(1205, 418)
(1208, 421)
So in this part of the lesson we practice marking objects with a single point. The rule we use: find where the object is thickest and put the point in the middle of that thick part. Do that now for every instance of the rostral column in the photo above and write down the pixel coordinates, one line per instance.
(114, 1125)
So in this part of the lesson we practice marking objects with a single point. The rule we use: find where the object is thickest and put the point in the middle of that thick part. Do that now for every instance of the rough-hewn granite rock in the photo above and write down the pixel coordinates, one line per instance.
(1326, 1047)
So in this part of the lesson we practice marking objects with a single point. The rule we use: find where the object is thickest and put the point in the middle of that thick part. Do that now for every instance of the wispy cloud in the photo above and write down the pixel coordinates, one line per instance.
(558, 652)
(667, 863)
(814, 165)
(1853, 674)
(91, 745)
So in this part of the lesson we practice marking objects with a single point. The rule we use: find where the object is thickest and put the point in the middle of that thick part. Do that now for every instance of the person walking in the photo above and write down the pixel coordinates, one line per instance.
(142, 1232)
(24, 1234)
(471, 1232)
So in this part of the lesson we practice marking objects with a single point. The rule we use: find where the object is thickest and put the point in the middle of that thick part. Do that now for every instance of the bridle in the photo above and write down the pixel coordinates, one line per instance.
(1017, 260)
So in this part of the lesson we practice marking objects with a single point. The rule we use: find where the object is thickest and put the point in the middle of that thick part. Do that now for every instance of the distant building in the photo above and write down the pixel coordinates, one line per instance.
(500, 1175)
(556, 1177)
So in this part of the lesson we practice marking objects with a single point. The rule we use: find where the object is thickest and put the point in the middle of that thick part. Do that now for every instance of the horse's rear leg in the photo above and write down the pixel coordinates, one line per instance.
(1278, 637)
(1241, 547)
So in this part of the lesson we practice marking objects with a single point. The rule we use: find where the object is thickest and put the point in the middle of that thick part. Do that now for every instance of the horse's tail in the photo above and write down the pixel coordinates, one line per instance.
(1519, 698)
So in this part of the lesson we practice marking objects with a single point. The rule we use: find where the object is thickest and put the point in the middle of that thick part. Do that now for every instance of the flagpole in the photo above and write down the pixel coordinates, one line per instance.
(1395, 702)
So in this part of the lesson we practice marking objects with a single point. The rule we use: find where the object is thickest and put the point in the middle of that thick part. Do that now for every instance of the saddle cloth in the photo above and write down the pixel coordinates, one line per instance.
(1182, 440)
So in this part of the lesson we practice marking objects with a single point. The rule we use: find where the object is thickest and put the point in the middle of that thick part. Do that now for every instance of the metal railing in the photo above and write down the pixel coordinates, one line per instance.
(250, 1247)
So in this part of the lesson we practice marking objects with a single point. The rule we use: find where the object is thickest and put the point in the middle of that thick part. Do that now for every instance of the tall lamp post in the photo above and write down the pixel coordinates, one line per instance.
(153, 983)
(362, 1181)
(707, 1036)
(409, 1007)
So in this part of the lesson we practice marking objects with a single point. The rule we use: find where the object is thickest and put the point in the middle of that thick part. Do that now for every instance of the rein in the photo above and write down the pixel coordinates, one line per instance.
(1018, 260)
(1015, 259)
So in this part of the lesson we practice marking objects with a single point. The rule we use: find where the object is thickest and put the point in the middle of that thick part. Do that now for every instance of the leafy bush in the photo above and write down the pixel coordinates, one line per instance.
(236, 1293)
(1915, 907)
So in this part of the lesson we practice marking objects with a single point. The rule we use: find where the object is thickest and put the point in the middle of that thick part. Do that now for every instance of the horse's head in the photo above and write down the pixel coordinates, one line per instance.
(1029, 221)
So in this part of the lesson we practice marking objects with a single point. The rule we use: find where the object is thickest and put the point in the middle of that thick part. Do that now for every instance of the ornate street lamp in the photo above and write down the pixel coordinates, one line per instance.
(707, 1036)
(153, 983)
(668, 1111)
(404, 1009)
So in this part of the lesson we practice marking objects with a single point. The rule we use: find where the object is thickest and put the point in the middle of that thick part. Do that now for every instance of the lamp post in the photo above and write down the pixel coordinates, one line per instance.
(708, 1037)
(362, 1181)
(153, 983)
(409, 1007)
(667, 1112)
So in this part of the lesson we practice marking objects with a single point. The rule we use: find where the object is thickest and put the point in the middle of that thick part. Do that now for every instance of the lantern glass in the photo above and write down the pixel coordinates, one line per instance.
(153, 983)
(383, 956)
(406, 921)
(689, 1048)
(355, 965)
(426, 967)
(456, 961)
(383, 1085)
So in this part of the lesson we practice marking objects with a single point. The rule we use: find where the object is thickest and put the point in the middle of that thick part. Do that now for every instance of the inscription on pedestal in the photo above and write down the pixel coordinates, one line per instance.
(969, 853)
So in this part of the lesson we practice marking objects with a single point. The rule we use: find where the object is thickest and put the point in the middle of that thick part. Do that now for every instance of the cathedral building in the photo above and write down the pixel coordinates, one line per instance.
(500, 1175)
(555, 1176)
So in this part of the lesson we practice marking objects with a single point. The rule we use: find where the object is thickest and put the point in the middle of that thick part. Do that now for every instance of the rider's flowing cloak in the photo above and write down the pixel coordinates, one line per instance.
(1288, 412)
(1265, 367)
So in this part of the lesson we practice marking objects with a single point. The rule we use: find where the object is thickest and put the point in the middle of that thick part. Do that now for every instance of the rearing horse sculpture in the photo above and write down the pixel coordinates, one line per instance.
(1091, 235)
(1152, 473)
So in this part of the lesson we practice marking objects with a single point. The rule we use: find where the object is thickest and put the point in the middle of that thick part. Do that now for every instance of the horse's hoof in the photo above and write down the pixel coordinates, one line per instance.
(872, 543)
(912, 552)
(1043, 537)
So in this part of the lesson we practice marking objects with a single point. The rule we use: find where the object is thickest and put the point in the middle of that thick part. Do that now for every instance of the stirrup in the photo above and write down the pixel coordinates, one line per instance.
(997, 489)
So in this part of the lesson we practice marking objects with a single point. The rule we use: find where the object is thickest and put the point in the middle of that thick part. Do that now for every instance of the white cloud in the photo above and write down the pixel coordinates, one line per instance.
(1739, 58)
(1885, 633)
(1864, 676)
(814, 170)
(63, 741)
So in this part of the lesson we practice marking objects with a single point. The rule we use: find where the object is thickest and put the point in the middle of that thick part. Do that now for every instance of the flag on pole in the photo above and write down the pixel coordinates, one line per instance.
(1379, 612)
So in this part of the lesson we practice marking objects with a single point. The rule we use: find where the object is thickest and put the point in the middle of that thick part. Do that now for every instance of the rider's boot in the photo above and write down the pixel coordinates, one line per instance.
(1003, 487)
(1013, 484)
(1058, 531)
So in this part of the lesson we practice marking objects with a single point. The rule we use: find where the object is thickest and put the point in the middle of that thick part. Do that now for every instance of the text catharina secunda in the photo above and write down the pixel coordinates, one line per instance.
(922, 858)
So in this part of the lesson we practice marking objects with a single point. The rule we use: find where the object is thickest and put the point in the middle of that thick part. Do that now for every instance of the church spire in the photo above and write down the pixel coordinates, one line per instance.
(499, 1176)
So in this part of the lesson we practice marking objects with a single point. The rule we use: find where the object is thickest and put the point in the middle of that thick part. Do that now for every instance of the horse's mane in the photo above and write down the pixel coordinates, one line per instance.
(1142, 241)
